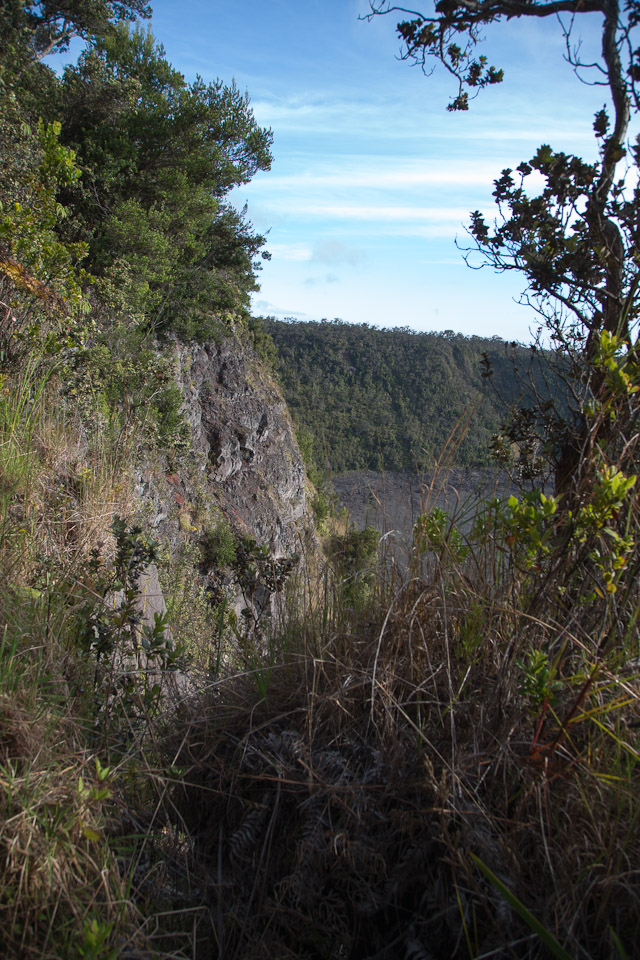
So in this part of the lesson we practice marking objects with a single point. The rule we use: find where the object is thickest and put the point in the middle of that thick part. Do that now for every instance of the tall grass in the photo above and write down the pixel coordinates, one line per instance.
(88, 868)
(438, 760)
(449, 771)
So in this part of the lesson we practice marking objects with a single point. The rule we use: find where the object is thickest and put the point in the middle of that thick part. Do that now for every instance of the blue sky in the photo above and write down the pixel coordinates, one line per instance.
(373, 180)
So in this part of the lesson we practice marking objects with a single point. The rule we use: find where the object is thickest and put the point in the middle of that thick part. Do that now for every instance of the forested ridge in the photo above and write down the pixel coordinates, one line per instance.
(367, 398)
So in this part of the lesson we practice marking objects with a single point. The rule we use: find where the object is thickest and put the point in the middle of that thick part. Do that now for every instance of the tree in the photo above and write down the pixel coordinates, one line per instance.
(33, 29)
(159, 157)
(576, 242)
(40, 277)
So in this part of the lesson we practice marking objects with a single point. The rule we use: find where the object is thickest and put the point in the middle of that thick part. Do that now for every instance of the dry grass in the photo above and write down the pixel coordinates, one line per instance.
(93, 864)
(85, 870)
(339, 802)
(59, 489)
(442, 764)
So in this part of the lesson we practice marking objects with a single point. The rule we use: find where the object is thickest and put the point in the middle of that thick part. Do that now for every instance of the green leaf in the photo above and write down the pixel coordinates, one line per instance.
(532, 922)
(622, 953)
(102, 772)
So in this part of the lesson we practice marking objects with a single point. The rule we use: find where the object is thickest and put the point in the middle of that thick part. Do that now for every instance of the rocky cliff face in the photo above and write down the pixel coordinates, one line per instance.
(243, 467)
(242, 436)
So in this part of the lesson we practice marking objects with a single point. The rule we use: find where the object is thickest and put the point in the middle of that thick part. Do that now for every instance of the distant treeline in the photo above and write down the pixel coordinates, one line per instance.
(367, 398)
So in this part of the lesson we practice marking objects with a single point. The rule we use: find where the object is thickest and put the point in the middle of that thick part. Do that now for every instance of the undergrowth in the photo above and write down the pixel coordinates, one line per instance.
(439, 761)
(449, 769)
(90, 866)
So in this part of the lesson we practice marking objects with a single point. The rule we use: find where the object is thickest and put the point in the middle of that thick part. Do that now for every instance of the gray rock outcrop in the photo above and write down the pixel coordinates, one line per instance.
(243, 467)
(242, 435)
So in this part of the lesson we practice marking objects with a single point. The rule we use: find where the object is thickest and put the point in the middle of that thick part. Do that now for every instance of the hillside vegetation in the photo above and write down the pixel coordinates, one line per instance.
(391, 399)
(442, 763)
(118, 254)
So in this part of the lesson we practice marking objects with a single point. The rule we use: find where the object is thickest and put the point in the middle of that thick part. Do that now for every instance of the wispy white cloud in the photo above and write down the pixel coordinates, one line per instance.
(336, 253)
(267, 308)
(385, 173)
(434, 231)
(312, 110)
(384, 116)
(328, 278)
(290, 251)
(385, 213)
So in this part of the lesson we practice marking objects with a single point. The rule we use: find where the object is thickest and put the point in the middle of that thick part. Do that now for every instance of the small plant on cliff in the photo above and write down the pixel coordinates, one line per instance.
(354, 558)
(262, 343)
(131, 659)
(218, 546)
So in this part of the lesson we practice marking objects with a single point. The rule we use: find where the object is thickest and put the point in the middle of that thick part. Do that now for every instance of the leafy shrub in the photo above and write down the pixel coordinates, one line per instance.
(133, 382)
(218, 546)
(354, 557)
(436, 532)
(262, 342)
(131, 659)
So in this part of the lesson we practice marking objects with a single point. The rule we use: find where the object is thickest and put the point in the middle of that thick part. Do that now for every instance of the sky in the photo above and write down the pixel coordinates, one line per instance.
(372, 182)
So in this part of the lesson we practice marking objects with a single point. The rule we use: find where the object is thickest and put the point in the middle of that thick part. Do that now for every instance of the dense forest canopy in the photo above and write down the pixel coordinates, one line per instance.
(371, 398)
(156, 157)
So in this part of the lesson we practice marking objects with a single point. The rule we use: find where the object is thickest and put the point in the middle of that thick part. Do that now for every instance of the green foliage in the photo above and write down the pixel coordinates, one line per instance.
(435, 531)
(129, 170)
(257, 570)
(354, 557)
(323, 501)
(598, 523)
(441, 37)
(172, 429)
(64, 694)
(538, 685)
(133, 382)
(235, 562)
(39, 271)
(197, 612)
(620, 366)
(158, 156)
(21, 405)
(32, 29)
(262, 342)
(322, 507)
(95, 941)
(306, 446)
(568, 227)
(588, 300)
(364, 398)
(218, 546)
(130, 658)
(527, 525)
